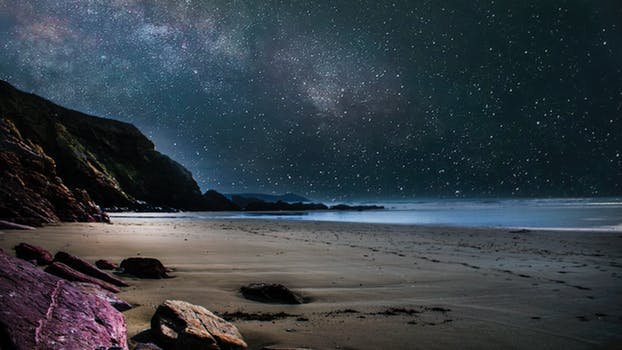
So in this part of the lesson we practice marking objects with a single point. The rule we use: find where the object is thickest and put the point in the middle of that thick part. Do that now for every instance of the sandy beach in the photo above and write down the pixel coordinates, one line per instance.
(371, 286)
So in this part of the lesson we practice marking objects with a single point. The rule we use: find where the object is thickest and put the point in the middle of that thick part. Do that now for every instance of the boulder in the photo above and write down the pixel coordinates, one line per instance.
(271, 293)
(105, 265)
(63, 271)
(144, 268)
(180, 325)
(30, 252)
(41, 311)
(87, 268)
(104, 295)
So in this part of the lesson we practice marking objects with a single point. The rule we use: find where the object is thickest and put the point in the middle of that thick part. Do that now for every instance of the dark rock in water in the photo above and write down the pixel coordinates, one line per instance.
(7, 225)
(180, 325)
(144, 268)
(30, 252)
(111, 160)
(61, 270)
(41, 311)
(271, 293)
(104, 295)
(105, 265)
(87, 268)
(522, 230)
(31, 192)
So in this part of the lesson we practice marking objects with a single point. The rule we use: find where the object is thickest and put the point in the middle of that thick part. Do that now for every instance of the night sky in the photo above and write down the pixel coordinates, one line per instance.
(344, 100)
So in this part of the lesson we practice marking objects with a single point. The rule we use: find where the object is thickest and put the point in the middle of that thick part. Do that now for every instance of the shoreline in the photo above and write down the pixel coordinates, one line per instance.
(372, 285)
(244, 216)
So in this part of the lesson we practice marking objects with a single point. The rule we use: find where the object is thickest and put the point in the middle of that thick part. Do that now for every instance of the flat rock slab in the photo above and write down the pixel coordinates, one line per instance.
(41, 311)
(144, 268)
(271, 293)
(63, 271)
(104, 295)
(87, 268)
(180, 325)
(31, 252)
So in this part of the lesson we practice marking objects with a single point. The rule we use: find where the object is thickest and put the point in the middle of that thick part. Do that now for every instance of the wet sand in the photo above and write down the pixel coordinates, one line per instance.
(372, 286)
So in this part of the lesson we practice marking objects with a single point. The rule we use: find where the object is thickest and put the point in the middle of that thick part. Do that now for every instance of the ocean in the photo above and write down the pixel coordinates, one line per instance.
(561, 214)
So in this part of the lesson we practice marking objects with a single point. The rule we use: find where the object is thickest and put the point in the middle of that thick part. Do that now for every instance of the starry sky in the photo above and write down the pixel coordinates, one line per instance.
(344, 99)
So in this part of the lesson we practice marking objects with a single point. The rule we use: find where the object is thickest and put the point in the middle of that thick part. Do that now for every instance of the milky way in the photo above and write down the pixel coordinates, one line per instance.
(344, 99)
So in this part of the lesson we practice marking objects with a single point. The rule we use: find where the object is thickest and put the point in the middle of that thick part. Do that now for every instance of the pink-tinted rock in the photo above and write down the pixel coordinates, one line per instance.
(41, 311)
(104, 295)
(30, 252)
(61, 270)
(105, 265)
(87, 268)
(144, 267)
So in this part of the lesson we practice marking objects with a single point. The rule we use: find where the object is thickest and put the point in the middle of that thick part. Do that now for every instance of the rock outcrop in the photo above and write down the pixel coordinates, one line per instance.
(216, 201)
(63, 271)
(87, 268)
(271, 293)
(31, 192)
(46, 150)
(41, 311)
(33, 253)
(144, 268)
(180, 325)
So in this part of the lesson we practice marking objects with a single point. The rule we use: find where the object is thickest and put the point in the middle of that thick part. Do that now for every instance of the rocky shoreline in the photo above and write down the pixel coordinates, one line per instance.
(71, 304)
(41, 305)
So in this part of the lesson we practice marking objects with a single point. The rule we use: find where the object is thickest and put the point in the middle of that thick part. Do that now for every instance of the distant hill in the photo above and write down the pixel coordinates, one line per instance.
(271, 198)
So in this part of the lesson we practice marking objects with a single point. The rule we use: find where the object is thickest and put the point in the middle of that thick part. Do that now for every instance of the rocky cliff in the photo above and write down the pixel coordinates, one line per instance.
(109, 161)
(31, 191)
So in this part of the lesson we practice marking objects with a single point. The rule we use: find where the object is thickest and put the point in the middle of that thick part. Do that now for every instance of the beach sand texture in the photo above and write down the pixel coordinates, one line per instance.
(371, 286)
